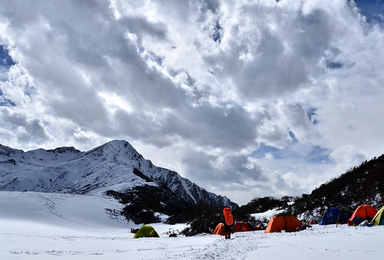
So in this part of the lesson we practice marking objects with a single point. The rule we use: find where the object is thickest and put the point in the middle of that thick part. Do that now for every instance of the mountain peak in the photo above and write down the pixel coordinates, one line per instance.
(65, 149)
(115, 165)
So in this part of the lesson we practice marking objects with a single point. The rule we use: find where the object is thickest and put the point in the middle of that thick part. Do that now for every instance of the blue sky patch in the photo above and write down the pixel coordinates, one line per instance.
(292, 135)
(311, 115)
(373, 10)
(264, 149)
(216, 36)
(4, 102)
(5, 59)
(302, 153)
(5, 63)
(318, 154)
(333, 65)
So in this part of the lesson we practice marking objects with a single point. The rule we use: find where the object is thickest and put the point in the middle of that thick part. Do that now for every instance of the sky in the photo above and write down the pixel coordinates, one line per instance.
(245, 98)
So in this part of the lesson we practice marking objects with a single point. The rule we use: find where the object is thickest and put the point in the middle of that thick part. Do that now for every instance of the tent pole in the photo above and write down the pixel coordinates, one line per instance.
(337, 221)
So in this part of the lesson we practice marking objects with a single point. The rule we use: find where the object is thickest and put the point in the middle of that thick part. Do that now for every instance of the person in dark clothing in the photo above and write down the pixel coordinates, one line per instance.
(211, 225)
(228, 222)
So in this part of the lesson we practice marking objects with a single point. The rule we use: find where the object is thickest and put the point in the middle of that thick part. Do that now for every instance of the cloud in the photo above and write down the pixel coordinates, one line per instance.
(26, 130)
(347, 155)
(244, 98)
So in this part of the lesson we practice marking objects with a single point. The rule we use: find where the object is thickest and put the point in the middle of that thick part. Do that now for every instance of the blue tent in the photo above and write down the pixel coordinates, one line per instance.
(332, 215)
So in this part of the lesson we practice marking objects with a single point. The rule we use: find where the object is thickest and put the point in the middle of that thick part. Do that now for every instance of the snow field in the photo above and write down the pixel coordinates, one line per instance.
(61, 226)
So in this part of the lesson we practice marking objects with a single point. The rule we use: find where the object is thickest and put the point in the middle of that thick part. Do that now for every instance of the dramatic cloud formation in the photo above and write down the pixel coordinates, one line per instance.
(245, 98)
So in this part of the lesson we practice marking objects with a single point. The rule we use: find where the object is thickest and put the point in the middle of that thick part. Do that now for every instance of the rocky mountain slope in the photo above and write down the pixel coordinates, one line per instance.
(115, 167)
(362, 184)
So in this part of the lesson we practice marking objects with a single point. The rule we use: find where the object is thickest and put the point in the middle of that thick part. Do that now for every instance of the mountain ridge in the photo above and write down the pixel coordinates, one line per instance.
(115, 165)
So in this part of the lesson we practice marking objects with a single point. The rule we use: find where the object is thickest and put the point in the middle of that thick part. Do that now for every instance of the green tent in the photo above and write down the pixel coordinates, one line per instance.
(146, 231)
(378, 219)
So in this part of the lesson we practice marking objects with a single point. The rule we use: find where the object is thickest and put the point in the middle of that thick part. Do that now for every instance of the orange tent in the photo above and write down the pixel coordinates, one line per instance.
(241, 227)
(283, 221)
(365, 212)
(220, 229)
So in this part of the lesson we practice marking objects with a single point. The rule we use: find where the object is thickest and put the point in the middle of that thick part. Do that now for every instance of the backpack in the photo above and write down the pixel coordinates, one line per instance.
(228, 216)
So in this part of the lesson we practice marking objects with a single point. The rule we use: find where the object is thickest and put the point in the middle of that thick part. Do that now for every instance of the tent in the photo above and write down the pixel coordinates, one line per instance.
(146, 231)
(378, 219)
(365, 212)
(283, 221)
(333, 216)
(241, 227)
(220, 229)
(251, 226)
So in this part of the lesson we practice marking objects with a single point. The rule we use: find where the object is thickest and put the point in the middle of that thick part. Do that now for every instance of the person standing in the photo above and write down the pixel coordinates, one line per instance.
(228, 222)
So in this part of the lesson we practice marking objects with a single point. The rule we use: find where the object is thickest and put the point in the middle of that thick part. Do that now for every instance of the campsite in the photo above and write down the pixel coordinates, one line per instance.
(52, 226)
(319, 225)
(209, 129)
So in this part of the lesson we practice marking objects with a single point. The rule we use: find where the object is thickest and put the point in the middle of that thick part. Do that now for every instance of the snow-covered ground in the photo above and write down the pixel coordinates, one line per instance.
(57, 226)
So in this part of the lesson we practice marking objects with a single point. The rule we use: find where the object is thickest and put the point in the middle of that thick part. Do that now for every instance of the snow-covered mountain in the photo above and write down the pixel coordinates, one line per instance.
(115, 166)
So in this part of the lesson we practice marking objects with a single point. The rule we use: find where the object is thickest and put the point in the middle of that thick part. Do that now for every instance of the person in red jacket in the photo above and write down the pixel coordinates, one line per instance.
(228, 222)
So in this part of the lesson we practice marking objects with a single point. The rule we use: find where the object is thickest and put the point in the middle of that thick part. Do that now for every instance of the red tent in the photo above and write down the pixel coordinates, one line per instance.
(365, 212)
(241, 227)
